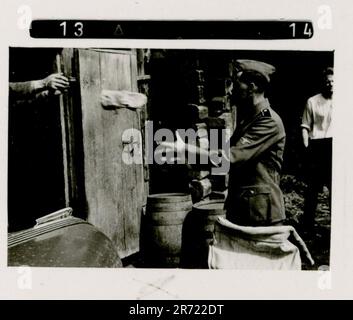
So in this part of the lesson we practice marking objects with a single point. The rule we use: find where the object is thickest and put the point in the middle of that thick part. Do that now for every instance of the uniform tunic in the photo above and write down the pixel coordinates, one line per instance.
(256, 157)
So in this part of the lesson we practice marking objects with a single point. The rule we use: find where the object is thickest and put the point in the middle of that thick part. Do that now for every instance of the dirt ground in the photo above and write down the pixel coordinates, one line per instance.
(317, 242)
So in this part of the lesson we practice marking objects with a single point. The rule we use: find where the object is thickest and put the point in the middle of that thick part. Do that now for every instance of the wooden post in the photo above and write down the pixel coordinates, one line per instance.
(63, 139)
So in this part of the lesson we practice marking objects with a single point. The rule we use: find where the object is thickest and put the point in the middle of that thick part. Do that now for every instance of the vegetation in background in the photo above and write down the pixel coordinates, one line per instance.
(318, 241)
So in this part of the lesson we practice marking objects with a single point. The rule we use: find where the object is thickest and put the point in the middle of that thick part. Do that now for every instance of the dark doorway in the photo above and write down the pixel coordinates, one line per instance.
(35, 166)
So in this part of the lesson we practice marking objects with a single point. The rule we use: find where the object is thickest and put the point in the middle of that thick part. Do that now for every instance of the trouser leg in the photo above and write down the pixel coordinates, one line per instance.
(310, 203)
(313, 185)
(328, 169)
(319, 173)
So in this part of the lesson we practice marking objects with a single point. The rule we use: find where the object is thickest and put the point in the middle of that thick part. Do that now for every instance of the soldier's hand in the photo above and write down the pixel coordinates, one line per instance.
(177, 146)
(56, 82)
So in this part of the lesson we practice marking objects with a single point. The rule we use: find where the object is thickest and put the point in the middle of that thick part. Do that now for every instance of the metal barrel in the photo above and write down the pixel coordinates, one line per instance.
(198, 232)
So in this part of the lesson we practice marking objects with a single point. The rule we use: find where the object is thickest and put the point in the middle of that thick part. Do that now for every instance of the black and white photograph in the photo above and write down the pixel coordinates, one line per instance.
(170, 158)
(176, 150)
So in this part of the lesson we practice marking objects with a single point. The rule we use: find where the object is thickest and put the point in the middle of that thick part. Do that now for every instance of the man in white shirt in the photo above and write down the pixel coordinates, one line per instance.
(317, 139)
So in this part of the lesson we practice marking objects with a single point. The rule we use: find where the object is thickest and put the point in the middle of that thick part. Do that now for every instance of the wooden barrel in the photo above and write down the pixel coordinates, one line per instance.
(198, 232)
(165, 215)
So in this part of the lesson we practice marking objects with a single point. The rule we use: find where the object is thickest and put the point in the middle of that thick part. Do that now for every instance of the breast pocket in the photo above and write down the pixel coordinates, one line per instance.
(256, 203)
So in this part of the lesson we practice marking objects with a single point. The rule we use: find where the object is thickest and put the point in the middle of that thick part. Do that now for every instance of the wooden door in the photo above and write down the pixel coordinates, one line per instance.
(114, 190)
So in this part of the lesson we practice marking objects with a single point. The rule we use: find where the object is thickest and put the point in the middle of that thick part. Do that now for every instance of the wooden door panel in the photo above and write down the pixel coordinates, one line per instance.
(113, 188)
(112, 222)
(115, 196)
(91, 126)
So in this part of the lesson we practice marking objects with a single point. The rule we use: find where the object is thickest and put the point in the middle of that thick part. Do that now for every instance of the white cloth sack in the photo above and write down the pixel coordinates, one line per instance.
(255, 248)
(112, 99)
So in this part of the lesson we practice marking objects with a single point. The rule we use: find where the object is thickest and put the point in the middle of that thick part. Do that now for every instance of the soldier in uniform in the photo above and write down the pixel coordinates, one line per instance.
(255, 151)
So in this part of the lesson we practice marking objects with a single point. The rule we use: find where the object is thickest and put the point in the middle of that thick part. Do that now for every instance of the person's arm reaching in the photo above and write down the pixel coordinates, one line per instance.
(257, 138)
(55, 83)
(180, 147)
(263, 133)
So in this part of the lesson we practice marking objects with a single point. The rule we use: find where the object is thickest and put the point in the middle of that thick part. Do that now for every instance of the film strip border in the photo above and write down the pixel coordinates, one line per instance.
(172, 30)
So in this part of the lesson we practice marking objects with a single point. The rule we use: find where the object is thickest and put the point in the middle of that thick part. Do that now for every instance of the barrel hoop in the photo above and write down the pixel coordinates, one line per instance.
(166, 218)
(213, 207)
(175, 206)
(168, 197)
